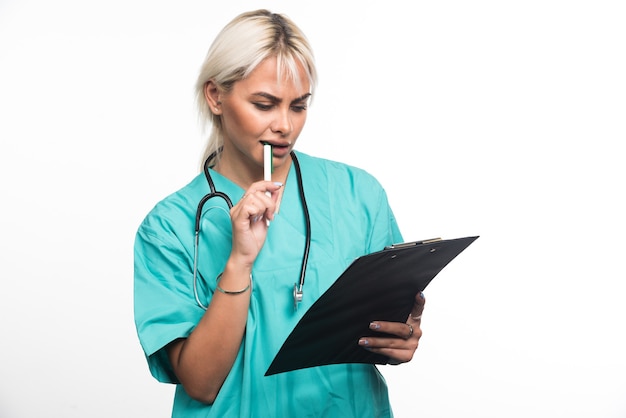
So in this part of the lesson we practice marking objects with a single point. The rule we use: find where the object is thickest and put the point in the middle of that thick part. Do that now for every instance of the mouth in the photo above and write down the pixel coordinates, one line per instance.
(279, 148)
(277, 144)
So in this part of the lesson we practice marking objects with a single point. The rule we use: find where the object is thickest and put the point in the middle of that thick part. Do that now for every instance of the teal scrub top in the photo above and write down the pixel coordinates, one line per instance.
(350, 216)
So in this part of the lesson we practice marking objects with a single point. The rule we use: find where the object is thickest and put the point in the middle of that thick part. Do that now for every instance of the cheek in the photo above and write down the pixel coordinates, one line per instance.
(244, 123)
(299, 122)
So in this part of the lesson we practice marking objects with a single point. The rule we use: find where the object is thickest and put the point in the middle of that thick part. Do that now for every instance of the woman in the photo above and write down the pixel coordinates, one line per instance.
(212, 316)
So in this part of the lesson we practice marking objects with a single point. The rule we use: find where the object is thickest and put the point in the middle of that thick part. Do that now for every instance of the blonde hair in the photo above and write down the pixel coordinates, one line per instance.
(239, 48)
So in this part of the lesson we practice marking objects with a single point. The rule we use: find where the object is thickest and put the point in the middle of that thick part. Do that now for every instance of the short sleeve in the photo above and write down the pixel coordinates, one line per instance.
(164, 303)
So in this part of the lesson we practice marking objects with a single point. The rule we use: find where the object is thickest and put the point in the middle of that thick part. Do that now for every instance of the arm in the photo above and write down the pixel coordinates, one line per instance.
(202, 361)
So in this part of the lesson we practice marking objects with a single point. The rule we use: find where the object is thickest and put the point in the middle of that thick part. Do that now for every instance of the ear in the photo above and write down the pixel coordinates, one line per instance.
(212, 96)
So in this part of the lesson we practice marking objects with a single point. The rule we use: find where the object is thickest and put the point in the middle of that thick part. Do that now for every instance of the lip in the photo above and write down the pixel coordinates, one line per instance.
(279, 148)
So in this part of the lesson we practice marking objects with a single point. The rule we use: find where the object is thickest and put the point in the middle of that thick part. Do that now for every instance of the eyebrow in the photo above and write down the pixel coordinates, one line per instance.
(278, 100)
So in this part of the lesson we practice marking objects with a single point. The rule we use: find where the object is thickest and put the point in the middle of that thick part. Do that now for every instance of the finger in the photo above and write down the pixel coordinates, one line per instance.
(418, 307)
(396, 349)
(264, 187)
(264, 195)
(275, 190)
(251, 204)
(256, 203)
(400, 329)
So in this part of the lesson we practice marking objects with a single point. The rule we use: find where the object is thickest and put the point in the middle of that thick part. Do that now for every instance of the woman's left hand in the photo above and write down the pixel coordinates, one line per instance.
(401, 349)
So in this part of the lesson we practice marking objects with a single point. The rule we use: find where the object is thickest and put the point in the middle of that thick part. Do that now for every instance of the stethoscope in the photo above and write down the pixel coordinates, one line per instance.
(297, 287)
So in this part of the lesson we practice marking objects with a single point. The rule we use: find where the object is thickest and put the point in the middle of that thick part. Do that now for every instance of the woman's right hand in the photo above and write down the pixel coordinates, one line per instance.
(251, 217)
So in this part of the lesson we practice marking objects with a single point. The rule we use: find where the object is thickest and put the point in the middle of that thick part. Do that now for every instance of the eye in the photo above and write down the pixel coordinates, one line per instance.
(299, 108)
(262, 106)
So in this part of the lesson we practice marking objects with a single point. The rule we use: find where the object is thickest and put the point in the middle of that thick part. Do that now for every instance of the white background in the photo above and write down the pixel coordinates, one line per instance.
(504, 119)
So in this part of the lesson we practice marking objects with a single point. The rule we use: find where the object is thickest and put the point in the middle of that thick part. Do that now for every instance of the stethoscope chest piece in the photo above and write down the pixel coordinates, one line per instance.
(297, 296)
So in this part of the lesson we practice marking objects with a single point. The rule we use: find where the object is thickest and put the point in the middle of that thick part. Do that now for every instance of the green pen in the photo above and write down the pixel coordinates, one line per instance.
(268, 167)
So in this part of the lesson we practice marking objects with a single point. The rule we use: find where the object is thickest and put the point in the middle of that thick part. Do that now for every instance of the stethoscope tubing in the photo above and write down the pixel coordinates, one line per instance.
(298, 287)
(307, 221)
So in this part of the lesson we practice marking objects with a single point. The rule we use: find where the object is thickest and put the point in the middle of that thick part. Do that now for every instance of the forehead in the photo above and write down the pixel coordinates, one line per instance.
(270, 77)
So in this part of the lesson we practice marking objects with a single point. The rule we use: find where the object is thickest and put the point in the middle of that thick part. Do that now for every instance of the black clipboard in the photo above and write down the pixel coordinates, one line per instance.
(377, 286)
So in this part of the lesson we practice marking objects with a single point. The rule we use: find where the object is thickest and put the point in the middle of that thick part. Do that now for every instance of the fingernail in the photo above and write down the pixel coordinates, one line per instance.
(278, 183)
(374, 325)
(363, 341)
(422, 295)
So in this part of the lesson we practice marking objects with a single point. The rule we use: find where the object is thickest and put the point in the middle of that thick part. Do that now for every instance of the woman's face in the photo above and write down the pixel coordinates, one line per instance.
(263, 108)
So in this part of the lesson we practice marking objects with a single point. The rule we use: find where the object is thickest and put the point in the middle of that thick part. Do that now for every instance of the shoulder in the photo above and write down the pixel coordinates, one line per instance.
(337, 172)
(176, 208)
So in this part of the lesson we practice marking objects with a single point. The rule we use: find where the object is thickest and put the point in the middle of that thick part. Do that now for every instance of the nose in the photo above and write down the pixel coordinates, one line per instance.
(282, 122)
